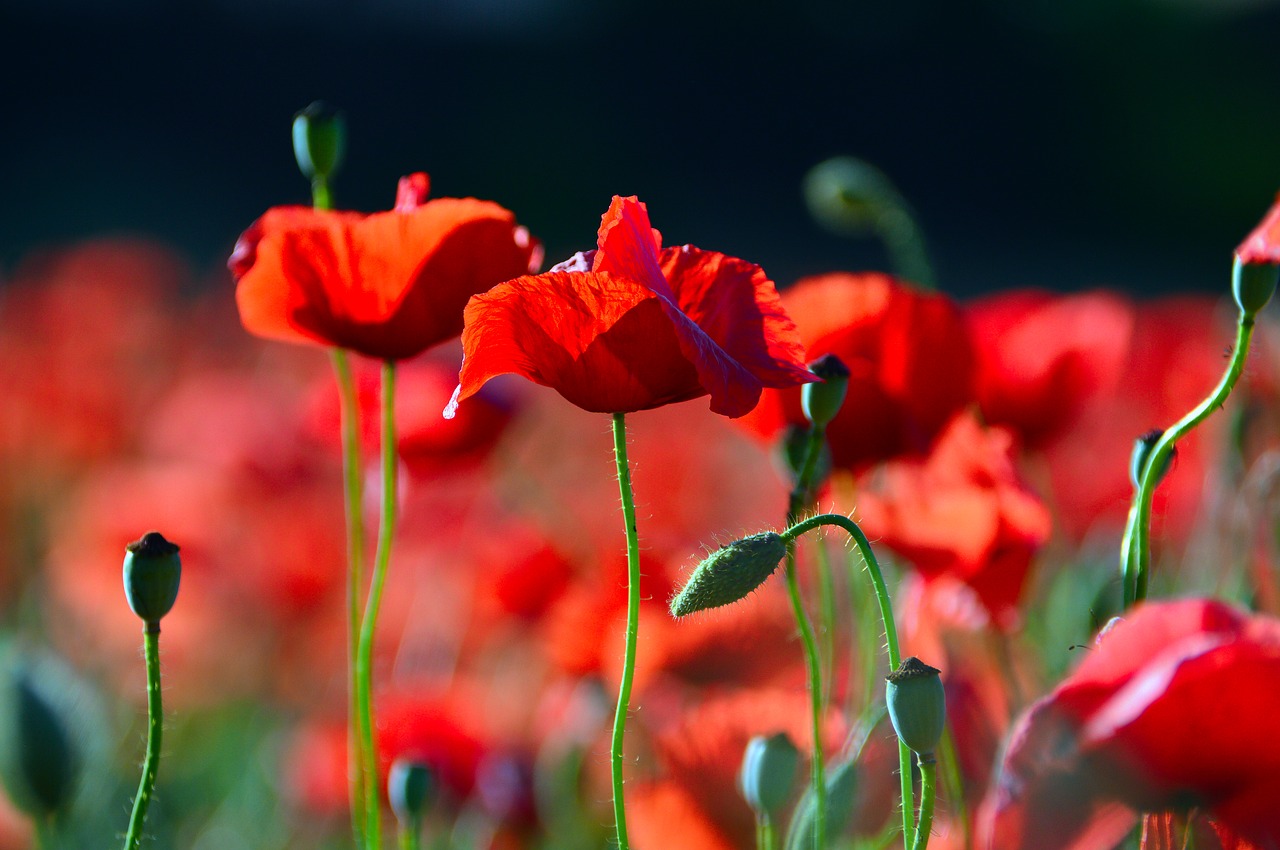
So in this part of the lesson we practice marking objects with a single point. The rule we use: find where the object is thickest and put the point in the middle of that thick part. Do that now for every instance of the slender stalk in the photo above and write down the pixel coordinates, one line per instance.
(826, 616)
(46, 833)
(769, 833)
(410, 834)
(928, 785)
(155, 730)
(1137, 552)
(890, 636)
(368, 626)
(633, 623)
(954, 785)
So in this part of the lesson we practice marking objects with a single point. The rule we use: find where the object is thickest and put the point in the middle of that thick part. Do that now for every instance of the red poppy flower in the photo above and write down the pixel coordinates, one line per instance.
(1173, 709)
(910, 358)
(388, 285)
(631, 326)
(1262, 245)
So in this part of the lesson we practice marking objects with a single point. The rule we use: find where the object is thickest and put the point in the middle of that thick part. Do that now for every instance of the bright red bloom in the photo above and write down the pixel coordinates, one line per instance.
(1263, 244)
(388, 285)
(910, 358)
(631, 326)
(1173, 709)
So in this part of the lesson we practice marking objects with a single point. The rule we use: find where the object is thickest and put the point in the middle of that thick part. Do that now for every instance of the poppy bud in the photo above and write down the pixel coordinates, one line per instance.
(152, 573)
(410, 788)
(849, 196)
(1253, 284)
(39, 760)
(319, 140)
(1142, 448)
(917, 705)
(842, 788)
(730, 573)
(768, 773)
(821, 401)
(795, 449)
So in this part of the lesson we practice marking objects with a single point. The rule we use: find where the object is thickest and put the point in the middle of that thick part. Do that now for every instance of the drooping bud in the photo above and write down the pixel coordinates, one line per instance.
(1253, 284)
(40, 762)
(842, 789)
(730, 573)
(1142, 448)
(152, 573)
(821, 401)
(410, 788)
(319, 140)
(768, 773)
(917, 705)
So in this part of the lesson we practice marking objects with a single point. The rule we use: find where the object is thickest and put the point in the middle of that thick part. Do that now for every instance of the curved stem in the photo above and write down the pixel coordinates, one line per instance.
(928, 785)
(368, 626)
(1137, 554)
(353, 500)
(155, 729)
(633, 622)
(890, 636)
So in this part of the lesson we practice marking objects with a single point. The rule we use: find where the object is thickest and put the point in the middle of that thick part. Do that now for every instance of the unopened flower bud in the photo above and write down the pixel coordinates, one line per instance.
(730, 573)
(152, 573)
(1142, 448)
(842, 794)
(821, 401)
(795, 450)
(39, 758)
(1253, 284)
(917, 705)
(768, 774)
(410, 787)
(319, 140)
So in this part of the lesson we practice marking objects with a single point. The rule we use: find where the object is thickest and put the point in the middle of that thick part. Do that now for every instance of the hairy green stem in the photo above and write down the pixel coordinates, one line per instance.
(928, 785)
(633, 625)
(1137, 551)
(368, 625)
(890, 636)
(826, 617)
(155, 730)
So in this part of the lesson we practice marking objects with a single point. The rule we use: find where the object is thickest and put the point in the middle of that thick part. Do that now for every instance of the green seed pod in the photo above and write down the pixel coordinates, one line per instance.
(319, 140)
(849, 196)
(842, 789)
(917, 705)
(730, 573)
(821, 401)
(152, 573)
(40, 761)
(1253, 284)
(1142, 448)
(768, 774)
(410, 788)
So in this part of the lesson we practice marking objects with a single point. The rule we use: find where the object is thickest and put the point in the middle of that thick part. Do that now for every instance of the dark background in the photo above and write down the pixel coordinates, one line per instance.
(1127, 143)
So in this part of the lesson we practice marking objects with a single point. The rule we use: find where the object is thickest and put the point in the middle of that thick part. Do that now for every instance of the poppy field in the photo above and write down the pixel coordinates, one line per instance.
(430, 540)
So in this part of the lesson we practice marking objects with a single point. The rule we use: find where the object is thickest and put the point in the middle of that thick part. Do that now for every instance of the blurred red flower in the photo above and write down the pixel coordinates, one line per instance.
(1262, 245)
(388, 285)
(631, 326)
(1173, 709)
(962, 512)
(1042, 357)
(909, 353)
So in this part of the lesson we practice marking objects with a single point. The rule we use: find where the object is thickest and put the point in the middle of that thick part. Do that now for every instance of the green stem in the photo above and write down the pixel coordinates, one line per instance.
(769, 834)
(890, 636)
(826, 616)
(353, 500)
(1137, 554)
(321, 198)
(953, 784)
(368, 626)
(928, 784)
(1128, 563)
(633, 624)
(410, 833)
(155, 729)
(46, 832)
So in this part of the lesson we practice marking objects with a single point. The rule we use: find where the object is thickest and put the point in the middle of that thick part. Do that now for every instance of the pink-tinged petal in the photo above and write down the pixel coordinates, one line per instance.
(1263, 244)
(628, 246)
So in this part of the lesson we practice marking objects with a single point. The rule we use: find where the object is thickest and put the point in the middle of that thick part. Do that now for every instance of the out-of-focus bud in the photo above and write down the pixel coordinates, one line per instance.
(1253, 284)
(768, 774)
(319, 140)
(730, 573)
(152, 573)
(795, 447)
(917, 705)
(821, 401)
(40, 761)
(1142, 448)
(842, 789)
(410, 788)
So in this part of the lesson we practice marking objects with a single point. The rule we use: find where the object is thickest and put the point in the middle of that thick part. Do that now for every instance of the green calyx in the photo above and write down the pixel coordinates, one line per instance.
(917, 705)
(730, 573)
(152, 573)
(319, 140)
(1253, 284)
(821, 401)
(768, 774)
(410, 788)
(1142, 449)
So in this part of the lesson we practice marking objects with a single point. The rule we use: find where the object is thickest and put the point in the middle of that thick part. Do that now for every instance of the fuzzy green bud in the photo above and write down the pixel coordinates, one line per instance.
(768, 774)
(410, 788)
(842, 789)
(152, 573)
(917, 705)
(39, 759)
(821, 401)
(1142, 449)
(319, 140)
(730, 573)
(1253, 284)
